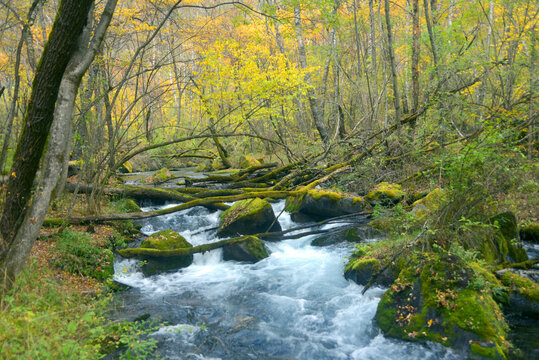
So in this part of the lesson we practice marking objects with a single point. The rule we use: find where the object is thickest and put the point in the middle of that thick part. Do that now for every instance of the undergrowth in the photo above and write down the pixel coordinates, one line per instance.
(41, 318)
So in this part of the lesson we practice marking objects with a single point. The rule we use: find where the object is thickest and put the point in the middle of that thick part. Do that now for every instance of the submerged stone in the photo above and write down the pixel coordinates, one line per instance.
(250, 250)
(248, 217)
(324, 204)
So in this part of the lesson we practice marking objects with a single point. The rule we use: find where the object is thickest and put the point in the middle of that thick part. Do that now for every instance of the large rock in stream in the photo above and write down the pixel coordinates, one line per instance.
(323, 204)
(248, 217)
(163, 240)
(250, 250)
(441, 298)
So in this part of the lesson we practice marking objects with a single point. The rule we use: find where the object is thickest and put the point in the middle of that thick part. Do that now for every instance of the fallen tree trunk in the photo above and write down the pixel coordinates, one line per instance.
(139, 192)
(187, 205)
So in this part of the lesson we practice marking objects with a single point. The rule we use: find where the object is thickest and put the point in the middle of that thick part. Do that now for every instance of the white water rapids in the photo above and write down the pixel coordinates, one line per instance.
(295, 304)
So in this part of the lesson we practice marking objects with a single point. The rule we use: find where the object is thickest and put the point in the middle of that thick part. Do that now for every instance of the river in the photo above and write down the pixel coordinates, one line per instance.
(294, 304)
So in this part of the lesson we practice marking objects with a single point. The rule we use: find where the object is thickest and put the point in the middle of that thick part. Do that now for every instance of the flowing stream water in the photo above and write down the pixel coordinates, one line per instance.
(295, 304)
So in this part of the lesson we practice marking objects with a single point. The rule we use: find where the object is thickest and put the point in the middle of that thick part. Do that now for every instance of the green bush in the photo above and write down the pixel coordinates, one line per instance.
(76, 253)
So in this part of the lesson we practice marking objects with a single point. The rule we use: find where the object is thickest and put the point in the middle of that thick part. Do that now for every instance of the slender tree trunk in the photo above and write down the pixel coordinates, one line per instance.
(391, 52)
(15, 246)
(416, 33)
(15, 99)
(311, 96)
(431, 37)
(532, 129)
(69, 87)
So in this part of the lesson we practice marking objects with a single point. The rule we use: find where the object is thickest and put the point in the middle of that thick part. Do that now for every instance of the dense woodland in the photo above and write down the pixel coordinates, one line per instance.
(434, 97)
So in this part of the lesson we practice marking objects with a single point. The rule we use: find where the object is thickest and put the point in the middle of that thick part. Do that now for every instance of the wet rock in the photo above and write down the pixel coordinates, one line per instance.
(250, 250)
(323, 204)
(523, 292)
(248, 217)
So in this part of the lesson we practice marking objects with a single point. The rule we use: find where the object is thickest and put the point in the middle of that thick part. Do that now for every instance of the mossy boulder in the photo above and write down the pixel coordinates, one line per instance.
(246, 161)
(530, 233)
(523, 293)
(372, 264)
(250, 250)
(351, 234)
(507, 238)
(428, 204)
(248, 217)
(217, 164)
(126, 168)
(324, 204)
(385, 194)
(164, 240)
(162, 175)
(440, 298)
(205, 166)
(131, 206)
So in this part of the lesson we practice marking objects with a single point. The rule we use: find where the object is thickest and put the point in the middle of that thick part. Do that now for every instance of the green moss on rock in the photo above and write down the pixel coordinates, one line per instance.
(165, 240)
(323, 204)
(162, 175)
(158, 260)
(248, 217)
(435, 298)
(530, 233)
(251, 250)
(428, 204)
(385, 194)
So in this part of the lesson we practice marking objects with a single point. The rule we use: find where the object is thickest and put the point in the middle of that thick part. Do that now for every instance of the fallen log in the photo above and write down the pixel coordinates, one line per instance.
(141, 192)
(144, 253)
(187, 205)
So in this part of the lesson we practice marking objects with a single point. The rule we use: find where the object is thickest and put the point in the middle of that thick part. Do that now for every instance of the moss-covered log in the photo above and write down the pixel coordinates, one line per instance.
(187, 205)
(143, 253)
(140, 192)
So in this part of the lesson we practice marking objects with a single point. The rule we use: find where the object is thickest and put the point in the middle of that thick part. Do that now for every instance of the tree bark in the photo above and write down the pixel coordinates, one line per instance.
(61, 45)
(416, 33)
(13, 107)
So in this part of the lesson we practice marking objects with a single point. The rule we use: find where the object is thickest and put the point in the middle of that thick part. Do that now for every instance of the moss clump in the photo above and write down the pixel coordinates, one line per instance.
(126, 167)
(530, 233)
(385, 194)
(246, 161)
(248, 217)
(165, 240)
(438, 297)
(507, 237)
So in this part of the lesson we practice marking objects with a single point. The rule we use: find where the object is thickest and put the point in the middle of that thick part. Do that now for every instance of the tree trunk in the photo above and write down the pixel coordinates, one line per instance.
(314, 103)
(15, 245)
(13, 107)
(396, 97)
(416, 33)
(69, 87)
